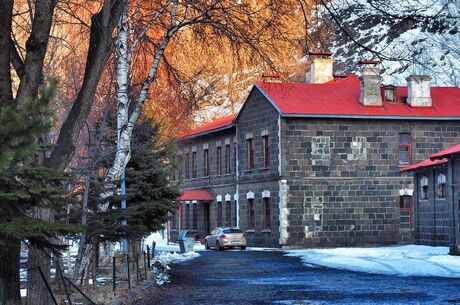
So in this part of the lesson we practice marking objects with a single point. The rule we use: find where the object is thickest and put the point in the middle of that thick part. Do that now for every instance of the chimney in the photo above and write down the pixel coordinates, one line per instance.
(272, 78)
(321, 70)
(418, 91)
(370, 94)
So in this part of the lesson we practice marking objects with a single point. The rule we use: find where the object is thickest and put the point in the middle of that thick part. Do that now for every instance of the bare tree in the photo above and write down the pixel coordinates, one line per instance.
(408, 37)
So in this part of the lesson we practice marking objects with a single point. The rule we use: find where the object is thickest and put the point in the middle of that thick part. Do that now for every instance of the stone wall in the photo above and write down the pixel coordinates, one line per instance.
(344, 180)
(198, 144)
(256, 119)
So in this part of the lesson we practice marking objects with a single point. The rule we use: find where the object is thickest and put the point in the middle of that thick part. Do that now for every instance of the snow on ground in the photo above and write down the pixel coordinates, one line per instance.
(161, 243)
(410, 260)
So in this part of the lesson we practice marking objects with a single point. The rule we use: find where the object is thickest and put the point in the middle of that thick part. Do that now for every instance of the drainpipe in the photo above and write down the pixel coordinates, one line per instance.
(453, 217)
(434, 207)
(417, 208)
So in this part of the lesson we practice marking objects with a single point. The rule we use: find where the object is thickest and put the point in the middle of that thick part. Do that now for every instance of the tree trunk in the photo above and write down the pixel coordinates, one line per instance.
(10, 250)
(100, 48)
(36, 49)
(6, 93)
(37, 293)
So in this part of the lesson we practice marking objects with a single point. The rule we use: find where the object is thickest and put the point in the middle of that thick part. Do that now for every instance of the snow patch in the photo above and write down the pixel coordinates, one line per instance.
(161, 263)
(410, 260)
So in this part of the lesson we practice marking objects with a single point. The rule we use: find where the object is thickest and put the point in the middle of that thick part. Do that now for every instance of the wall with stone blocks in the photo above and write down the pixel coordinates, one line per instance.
(344, 177)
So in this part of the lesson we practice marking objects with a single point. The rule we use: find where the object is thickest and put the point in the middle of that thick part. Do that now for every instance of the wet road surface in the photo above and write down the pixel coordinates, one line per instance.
(268, 277)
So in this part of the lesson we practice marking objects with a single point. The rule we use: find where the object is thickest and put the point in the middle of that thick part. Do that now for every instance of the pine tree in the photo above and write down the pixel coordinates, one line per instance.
(26, 187)
(150, 195)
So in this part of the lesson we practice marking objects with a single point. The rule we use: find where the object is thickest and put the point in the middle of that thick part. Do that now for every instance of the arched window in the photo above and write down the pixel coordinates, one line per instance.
(441, 186)
(424, 188)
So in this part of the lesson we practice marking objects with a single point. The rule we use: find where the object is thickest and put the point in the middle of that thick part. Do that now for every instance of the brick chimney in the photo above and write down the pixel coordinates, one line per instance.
(370, 94)
(321, 70)
(418, 91)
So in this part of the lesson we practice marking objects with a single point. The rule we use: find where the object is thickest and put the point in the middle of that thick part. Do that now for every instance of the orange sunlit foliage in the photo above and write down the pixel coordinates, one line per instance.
(204, 75)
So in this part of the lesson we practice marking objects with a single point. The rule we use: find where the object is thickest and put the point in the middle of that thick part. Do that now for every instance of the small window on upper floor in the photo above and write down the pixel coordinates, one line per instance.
(250, 152)
(187, 166)
(266, 152)
(424, 188)
(441, 186)
(227, 159)
(206, 162)
(390, 93)
(218, 160)
(405, 148)
(180, 167)
(194, 164)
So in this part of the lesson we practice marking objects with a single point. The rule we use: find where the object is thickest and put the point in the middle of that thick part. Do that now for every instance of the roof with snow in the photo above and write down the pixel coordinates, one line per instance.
(340, 98)
(424, 164)
(446, 153)
(216, 125)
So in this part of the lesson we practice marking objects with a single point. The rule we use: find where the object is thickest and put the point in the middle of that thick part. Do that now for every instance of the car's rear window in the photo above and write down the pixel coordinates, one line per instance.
(230, 231)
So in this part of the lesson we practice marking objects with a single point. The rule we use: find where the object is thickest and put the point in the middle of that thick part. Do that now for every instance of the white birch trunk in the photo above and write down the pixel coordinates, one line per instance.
(123, 152)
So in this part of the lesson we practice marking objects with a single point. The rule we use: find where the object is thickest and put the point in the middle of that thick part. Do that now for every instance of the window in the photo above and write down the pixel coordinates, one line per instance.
(195, 217)
(424, 188)
(390, 95)
(235, 149)
(227, 159)
(235, 214)
(187, 166)
(180, 166)
(206, 162)
(441, 187)
(194, 164)
(219, 160)
(250, 164)
(229, 214)
(187, 216)
(251, 214)
(404, 148)
(267, 219)
(405, 205)
(219, 214)
(266, 147)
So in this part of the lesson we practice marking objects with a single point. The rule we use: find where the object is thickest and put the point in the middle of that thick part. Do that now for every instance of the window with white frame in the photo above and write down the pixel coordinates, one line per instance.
(441, 186)
(424, 188)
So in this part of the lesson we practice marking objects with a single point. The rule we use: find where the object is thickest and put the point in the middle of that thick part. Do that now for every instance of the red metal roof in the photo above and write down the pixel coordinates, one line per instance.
(446, 152)
(340, 98)
(368, 62)
(424, 163)
(320, 53)
(218, 124)
(197, 194)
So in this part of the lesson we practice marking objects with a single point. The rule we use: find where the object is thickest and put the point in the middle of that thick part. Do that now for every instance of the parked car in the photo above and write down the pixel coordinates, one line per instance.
(222, 238)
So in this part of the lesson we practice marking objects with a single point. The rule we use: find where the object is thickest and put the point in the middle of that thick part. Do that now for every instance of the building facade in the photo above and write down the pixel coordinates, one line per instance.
(316, 163)
(437, 199)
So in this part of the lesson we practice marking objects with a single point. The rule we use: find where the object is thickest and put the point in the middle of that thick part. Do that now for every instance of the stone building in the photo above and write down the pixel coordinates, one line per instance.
(316, 163)
(437, 199)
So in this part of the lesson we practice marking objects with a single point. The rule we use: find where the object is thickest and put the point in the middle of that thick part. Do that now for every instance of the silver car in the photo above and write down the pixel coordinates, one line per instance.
(222, 238)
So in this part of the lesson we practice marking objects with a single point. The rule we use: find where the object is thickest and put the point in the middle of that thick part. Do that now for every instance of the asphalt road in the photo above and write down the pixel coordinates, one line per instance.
(255, 277)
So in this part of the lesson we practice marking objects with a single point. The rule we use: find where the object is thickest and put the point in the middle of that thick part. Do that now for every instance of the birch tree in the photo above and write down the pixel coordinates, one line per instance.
(246, 27)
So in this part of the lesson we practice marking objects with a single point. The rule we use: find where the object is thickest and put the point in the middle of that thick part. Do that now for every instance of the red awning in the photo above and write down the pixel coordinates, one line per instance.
(446, 152)
(200, 194)
(424, 163)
